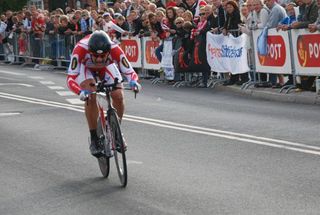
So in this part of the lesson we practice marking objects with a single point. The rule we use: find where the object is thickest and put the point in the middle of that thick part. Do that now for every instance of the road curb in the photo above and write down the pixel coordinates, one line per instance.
(304, 97)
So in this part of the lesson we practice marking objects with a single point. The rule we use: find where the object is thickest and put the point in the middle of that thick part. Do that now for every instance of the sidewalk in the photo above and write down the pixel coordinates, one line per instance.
(304, 97)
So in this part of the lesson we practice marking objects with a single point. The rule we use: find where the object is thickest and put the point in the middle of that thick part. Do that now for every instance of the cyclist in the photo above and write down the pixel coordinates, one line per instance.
(96, 56)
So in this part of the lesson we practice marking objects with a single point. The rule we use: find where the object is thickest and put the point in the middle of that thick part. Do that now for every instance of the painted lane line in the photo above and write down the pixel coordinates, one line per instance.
(134, 162)
(230, 137)
(9, 114)
(47, 82)
(226, 132)
(76, 101)
(40, 100)
(36, 77)
(12, 79)
(65, 93)
(316, 150)
(11, 73)
(41, 103)
(56, 87)
(15, 84)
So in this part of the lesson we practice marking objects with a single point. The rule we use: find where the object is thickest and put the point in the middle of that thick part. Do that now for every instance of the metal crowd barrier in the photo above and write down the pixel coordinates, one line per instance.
(295, 52)
(25, 48)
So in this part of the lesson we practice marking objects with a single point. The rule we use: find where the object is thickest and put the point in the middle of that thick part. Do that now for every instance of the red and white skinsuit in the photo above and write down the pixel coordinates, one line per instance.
(82, 68)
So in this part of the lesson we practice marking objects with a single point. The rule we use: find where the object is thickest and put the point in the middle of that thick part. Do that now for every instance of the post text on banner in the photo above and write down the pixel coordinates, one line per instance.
(278, 58)
(306, 51)
(227, 53)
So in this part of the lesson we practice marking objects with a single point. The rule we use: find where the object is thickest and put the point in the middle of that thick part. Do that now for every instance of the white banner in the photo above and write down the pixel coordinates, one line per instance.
(227, 53)
(150, 60)
(278, 60)
(132, 49)
(306, 52)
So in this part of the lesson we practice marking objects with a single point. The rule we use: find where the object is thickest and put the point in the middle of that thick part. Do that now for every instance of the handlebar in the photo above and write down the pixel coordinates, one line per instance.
(107, 88)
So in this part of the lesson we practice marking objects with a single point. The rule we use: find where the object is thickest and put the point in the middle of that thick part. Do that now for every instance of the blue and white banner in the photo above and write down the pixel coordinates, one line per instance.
(227, 53)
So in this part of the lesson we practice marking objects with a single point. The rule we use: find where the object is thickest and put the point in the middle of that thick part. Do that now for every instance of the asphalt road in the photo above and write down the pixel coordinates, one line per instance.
(190, 151)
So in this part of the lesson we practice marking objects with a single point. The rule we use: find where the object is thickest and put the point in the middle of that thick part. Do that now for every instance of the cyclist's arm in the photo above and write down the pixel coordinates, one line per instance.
(124, 65)
(72, 84)
(74, 69)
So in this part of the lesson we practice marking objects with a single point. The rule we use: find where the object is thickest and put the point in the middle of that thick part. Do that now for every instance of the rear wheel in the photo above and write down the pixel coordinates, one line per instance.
(104, 161)
(119, 150)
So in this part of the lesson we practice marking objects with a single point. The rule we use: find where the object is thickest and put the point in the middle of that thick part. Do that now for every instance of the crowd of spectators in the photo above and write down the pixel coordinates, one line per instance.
(186, 22)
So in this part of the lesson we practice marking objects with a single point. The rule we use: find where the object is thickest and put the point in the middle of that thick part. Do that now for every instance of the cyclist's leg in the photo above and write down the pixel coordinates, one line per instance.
(85, 79)
(111, 73)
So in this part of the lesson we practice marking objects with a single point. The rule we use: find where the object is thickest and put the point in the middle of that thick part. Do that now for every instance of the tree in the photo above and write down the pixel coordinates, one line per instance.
(13, 5)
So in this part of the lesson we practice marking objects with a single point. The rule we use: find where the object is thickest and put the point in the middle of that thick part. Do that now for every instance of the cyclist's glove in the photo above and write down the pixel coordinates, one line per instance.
(84, 95)
(135, 86)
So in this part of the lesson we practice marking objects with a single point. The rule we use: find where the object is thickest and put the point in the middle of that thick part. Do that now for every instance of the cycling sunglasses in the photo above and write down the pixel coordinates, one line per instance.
(102, 55)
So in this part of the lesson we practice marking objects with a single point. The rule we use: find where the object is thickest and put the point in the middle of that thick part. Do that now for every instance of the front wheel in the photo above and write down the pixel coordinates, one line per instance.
(104, 161)
(118, 146)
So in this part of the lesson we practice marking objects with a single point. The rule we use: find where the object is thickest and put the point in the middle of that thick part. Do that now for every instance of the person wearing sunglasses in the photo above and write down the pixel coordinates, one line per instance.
(97, 57)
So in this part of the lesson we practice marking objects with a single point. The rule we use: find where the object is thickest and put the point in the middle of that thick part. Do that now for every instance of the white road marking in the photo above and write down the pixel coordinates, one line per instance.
(36, 77)
(11, 73)
(56, 88)
(47, 82)
(292, 146)
(134, 162)
(76, 101)
(15, 84)
(65, 93)
(9, 114)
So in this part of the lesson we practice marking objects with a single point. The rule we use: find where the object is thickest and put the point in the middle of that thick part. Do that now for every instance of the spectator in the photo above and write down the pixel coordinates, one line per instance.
(310, 15)
(170, 21)
(38, 27)
(199, 58)
(188, 17)
(157, 33)
(286, 22)
(135, 22)
(98, 25)
(159, 4)
(122, 23)
(221, 15)
(212, 20)
(315, 26)
(145, 30)
(244, 11)
(27, 21)
(262, 13)
(152, 7)
(180, 4)
(171, 3)
(109, 26)
(277, 13)
(232, 26)
(86, 23)
(22, 44)
(180, 11)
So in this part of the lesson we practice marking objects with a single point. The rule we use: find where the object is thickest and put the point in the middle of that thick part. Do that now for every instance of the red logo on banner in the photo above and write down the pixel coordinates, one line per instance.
(308, 49)
(150, 52)
(276, 52)
(131, 49)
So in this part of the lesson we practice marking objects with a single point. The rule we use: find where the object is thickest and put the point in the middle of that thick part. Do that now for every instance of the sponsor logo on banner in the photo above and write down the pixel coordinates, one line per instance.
(150, 52)
(225, 51)
(227, 54)
(131, 49)
(308, 49)
(276, 52)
